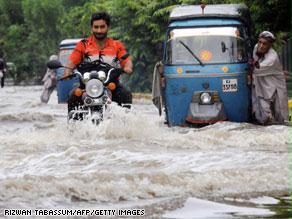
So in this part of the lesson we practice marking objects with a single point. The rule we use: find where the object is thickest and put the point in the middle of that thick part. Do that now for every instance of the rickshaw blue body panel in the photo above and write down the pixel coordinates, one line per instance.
(180, 89)
(182, 81)
(64, 87)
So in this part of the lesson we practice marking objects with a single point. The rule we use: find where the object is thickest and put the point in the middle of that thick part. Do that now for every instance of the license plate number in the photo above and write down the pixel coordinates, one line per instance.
(229, 85)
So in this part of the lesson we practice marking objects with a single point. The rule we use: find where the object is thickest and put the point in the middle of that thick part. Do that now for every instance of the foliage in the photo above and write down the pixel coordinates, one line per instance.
(30, 36)
(148, 21)
(76, 20)
(30, 30)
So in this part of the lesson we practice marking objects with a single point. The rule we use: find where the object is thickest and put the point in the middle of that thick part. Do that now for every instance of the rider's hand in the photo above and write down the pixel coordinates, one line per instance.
(65, 76)
(68, 70)
(128, 70)
(67, 73)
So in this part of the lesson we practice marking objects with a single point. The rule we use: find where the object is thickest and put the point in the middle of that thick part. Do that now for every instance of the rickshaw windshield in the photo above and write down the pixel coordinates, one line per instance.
(211, 45)
(64, 55)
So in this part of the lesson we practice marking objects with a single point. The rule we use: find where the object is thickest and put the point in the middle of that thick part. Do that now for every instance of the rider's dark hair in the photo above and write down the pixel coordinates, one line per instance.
(101, 16)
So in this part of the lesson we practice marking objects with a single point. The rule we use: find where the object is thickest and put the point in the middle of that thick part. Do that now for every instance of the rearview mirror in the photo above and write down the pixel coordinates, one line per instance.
(54, 64)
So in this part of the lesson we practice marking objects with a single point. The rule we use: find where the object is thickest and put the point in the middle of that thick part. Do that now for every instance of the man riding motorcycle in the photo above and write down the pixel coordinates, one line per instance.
(3, 71)
(99, 47)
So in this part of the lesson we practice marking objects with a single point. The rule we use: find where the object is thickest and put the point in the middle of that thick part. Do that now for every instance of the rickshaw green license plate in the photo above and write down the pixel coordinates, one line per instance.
(229, 85)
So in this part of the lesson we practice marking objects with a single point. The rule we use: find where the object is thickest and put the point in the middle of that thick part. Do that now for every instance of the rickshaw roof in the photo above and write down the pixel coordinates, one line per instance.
(69, 42)
(183, 12)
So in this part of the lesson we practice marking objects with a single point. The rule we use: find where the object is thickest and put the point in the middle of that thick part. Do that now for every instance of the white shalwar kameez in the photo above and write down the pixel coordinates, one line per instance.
(269, 92)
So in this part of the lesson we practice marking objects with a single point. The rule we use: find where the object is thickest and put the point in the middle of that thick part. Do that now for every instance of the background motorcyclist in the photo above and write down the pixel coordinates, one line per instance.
(99, 46)
(50, 82)
(3, 71)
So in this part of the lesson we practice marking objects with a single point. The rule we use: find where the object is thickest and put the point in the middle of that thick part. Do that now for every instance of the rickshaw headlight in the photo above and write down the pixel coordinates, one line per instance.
(205, 98)
(94, 88)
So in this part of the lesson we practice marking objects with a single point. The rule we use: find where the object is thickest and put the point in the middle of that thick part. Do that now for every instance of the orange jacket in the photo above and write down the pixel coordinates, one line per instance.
(90, 50)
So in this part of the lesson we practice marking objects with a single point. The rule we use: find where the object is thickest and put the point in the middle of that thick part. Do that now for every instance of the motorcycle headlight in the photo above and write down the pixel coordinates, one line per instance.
(205, 98)
(94, 88)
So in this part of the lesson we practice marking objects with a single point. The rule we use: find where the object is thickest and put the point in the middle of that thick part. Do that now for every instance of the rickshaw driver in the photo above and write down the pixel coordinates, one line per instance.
(269, 92)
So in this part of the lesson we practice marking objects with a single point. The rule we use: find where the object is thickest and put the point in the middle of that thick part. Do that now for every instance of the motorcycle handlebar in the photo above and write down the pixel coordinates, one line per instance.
(112, 73)
(71, 76)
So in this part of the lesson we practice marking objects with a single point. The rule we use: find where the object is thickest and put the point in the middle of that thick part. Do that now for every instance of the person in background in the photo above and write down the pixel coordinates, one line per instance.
(96, 45)
(3, 71)
(50, 82)
(269, 92)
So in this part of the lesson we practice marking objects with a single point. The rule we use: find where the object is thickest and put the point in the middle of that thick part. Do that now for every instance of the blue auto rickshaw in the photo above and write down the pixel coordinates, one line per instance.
(205, 74)
(64, 87)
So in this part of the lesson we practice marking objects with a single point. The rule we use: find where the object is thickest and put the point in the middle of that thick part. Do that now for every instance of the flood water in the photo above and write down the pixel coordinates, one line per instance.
(132, 160)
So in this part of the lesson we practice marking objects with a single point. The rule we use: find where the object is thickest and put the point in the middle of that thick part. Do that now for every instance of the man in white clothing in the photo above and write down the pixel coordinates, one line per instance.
(50, 82)
(269, 92)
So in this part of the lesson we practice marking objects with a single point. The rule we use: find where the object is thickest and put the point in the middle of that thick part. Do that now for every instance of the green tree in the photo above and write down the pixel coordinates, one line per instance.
(75, 22)
(30, 34)
(141, 26)
(12, 32)
(41, 19)
(30, 30)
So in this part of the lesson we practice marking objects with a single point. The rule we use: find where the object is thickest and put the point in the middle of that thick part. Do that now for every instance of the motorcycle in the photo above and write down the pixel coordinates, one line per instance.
(1, 78)
(97, 80)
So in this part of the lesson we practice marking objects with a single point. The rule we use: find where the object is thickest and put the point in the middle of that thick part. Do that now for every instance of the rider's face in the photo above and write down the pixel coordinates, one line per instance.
(99, 28)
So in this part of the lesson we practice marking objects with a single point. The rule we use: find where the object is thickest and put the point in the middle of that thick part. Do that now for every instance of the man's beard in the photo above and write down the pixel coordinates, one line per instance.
(260, 54)
(100, 36)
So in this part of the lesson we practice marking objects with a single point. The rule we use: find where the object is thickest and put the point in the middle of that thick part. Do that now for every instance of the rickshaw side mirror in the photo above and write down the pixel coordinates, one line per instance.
(54, 64)
(223, 46)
